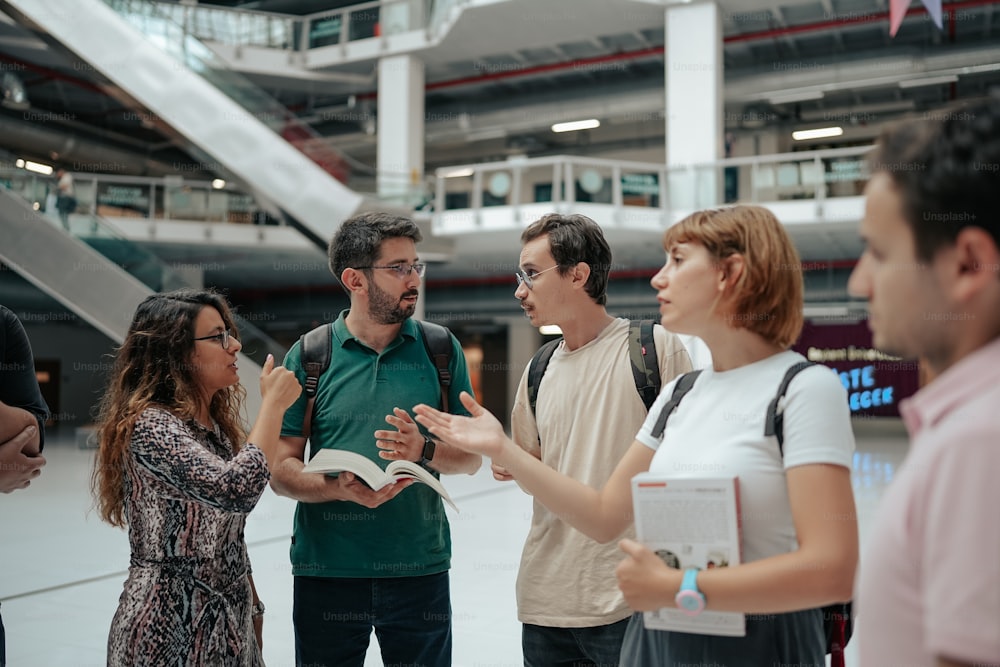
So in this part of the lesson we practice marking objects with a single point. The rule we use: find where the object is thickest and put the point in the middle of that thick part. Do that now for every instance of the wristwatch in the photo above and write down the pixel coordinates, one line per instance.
(428, 454)
(689, 599)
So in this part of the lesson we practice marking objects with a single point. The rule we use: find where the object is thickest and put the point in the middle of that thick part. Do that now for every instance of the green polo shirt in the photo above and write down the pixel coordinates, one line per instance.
(409, 535)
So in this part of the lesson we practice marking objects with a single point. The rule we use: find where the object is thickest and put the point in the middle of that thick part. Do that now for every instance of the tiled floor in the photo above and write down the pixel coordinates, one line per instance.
(62, 568)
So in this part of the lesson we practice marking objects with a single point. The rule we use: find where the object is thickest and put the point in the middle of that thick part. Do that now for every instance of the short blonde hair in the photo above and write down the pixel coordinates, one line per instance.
(769, 293)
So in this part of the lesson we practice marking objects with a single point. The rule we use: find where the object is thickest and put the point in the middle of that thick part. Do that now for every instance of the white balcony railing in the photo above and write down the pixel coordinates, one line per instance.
(643, 195)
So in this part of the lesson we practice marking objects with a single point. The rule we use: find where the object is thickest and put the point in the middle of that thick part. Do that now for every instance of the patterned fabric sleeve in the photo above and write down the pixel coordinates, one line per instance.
(164, 446)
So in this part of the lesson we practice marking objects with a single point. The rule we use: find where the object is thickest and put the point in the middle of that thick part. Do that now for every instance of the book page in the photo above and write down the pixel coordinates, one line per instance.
(332, 461)
(690, 523)
(409, 469)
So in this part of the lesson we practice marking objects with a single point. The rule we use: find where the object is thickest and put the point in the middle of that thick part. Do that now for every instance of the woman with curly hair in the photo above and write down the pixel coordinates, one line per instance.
(173, 468)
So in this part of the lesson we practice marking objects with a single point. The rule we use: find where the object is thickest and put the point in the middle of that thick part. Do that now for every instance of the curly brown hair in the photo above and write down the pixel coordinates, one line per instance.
(152, 368)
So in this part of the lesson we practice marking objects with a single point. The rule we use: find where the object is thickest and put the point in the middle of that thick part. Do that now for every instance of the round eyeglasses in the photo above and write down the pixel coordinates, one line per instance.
(223, 337)
(402, 270)
(526, 277)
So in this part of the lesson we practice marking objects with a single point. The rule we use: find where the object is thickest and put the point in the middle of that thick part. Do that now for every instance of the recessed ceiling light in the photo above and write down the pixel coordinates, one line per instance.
(818, 133)
(572, 126)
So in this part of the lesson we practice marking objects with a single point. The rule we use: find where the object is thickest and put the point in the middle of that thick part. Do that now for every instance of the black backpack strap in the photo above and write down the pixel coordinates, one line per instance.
(437, 341)
(838, 623)
(645, 365)
(536, 369)
(683, 386)
(316, 348)
(775, 422)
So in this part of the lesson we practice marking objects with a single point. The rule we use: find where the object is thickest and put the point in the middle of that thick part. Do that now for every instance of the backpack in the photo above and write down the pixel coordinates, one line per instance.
(641, 352)
(316, 348)
(837, 622)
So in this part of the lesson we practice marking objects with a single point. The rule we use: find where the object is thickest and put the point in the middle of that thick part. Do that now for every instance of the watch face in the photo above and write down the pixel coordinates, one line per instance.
(690, 602)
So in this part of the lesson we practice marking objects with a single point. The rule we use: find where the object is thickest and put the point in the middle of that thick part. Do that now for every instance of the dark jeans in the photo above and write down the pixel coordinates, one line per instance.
(596, 646)
(333, 620)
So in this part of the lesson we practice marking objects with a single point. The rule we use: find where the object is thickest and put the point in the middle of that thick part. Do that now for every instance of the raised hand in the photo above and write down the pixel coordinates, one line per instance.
(278, 384)
(406, 443)
(481, 433)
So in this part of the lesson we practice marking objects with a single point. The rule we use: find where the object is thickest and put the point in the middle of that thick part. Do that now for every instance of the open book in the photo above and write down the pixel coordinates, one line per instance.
(334, 461)
(690, 523)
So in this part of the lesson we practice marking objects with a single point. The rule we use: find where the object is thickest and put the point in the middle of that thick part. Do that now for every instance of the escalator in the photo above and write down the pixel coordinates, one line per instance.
(226, 121)
(102, 276)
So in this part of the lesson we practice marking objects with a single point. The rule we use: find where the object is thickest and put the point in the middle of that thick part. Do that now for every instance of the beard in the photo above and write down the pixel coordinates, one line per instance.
(384, 310)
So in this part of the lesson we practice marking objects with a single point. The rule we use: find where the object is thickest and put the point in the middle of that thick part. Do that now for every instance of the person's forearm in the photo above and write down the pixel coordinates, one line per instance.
(579, 505)
(14, 420)
(287, 479)
(266, 431)
(450, 460)
(779, 584)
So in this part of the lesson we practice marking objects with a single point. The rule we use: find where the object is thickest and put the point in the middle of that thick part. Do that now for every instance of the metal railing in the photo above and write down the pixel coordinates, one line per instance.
(377, 19)
(136, 197)
(89, 225)
(813, 175)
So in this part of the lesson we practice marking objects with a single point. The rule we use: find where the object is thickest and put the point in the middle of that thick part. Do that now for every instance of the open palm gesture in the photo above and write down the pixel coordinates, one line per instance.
(481, 433)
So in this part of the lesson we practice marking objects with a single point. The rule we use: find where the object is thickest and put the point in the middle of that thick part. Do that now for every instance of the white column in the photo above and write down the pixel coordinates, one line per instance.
(523, 341)
(400, 161)
(694, 105)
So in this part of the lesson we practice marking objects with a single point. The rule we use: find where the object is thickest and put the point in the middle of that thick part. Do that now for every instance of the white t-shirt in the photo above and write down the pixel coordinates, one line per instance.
(717, 430)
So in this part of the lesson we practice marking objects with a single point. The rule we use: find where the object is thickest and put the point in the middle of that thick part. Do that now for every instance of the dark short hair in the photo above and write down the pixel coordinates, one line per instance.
(946, 168)
(359, 239)
(576, 238)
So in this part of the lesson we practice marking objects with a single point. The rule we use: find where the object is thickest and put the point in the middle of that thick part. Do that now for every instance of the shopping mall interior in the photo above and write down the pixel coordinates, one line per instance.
(221, 143)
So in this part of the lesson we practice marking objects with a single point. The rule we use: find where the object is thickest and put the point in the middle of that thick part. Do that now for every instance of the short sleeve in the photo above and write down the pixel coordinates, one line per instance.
(291, 423)
(817, 420)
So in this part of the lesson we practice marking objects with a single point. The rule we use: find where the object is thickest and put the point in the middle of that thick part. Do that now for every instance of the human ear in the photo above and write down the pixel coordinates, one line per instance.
(581, 273)
(732, 269)
(353, 280)
(976, 263)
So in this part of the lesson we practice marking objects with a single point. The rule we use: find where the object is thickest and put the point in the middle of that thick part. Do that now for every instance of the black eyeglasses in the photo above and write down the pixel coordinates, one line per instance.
(223, 338)
(402, 270)
(528, 276)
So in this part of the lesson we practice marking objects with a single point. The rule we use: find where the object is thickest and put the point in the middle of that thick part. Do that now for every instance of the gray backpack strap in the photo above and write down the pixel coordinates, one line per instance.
(316, 349)
(683, 386)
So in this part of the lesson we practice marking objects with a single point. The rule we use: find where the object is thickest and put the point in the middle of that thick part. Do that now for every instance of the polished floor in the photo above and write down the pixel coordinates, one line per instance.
(62, 568)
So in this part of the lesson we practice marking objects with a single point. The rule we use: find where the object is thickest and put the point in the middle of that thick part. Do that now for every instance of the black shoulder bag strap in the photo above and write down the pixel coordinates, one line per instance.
(316, 348)
(437, 341)
(645, 365)
(681, 388)
(775, 422)
(838, 623)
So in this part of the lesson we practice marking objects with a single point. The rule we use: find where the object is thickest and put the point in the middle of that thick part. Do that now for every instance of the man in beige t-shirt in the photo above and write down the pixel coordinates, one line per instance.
(587, 414)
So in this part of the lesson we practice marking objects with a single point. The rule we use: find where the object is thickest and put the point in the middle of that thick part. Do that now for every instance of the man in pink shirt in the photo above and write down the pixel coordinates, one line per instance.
(928, 592)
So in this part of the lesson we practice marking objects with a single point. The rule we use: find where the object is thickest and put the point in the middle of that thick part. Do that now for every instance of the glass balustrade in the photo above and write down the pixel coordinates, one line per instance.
(103, 235)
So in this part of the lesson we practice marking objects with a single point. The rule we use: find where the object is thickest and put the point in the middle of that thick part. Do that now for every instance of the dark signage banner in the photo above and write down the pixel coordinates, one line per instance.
(875, 382)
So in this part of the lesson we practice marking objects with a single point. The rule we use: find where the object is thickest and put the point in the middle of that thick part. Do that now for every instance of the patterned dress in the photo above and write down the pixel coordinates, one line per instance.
(187, 598)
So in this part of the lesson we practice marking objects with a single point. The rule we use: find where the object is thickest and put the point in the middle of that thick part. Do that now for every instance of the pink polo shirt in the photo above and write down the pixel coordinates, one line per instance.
(929, 580)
